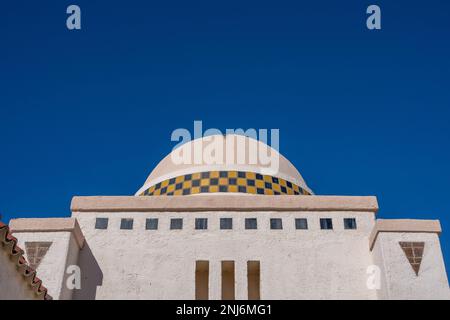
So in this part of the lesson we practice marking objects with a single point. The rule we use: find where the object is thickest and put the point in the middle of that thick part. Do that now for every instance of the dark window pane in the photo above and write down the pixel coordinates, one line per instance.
(151, 224)
(201, 223)
(349, 223)
(301, 223)
(241, 174)
(101, 223)
(326, 224)
(276, 224)
(251, 223)
(176, 224)
(226, 223)
(126, 224)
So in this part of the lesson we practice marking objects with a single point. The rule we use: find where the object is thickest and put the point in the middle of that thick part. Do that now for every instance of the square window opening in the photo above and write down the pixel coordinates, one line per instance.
(176, 224)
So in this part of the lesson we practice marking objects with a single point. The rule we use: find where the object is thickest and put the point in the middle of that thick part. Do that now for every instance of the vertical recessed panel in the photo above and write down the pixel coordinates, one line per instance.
(228, 280)
(253, 278)
(201, 280)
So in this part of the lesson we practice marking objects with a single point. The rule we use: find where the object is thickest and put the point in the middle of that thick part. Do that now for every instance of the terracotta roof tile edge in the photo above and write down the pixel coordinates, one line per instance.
(9, 243)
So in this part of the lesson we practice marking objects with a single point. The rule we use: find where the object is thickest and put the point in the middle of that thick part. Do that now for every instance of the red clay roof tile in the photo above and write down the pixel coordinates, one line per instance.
(9, 243)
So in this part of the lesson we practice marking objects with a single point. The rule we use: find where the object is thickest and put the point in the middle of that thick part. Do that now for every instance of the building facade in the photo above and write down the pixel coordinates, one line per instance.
(18, 280)
(233, 231)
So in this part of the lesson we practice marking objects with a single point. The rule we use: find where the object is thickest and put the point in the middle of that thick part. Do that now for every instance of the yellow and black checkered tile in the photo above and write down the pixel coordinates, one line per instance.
(224, 181)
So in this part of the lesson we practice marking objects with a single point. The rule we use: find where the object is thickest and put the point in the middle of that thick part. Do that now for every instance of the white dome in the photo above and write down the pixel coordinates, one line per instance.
(224, 153)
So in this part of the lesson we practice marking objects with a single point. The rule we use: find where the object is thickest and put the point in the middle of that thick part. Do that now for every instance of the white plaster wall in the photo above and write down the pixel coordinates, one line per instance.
(295, 264)
(71, 259)
(379, 276)
(12, 284)
(52, 267)
(399, 281)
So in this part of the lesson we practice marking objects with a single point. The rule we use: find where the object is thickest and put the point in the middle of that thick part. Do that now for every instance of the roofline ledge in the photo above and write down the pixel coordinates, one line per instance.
(222, 202)
(48, 225)
(403, 225)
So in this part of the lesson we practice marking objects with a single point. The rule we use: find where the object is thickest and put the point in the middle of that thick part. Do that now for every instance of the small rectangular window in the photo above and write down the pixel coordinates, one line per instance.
(301, 224)
(126, 224)
(276, 224)
(151, 224)
(349, 223)
(101, 223)
(176, 224)
(201, 223)
(226, 223)
(326, 224)
(251, 223)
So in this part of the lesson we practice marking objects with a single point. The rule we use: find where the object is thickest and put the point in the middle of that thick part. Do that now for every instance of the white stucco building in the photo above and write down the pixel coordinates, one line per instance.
(233, 231)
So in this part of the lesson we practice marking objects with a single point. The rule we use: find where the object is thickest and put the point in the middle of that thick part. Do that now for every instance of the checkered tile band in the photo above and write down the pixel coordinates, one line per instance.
(224, 181)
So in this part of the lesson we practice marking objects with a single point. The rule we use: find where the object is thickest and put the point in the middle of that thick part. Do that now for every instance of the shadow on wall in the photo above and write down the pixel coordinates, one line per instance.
(91, 275)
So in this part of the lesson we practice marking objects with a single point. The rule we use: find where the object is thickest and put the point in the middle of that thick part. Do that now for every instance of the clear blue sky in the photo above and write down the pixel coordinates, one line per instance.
(360, 112)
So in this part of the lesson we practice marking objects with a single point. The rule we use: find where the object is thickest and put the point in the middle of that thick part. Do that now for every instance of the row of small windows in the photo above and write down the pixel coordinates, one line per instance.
(225, 223)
